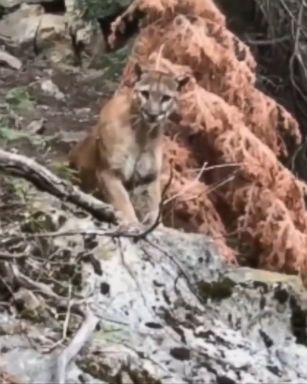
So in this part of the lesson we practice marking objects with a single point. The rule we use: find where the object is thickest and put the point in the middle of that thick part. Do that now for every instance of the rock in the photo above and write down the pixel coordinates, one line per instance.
(36, 126)
(71, 137)
(93, 45)
(86, 34)
(14, 3)
(53, 38)
(20, 27)
(52, 89)
(10, 3)
(30, 26)
(171, 310)
(53, 34)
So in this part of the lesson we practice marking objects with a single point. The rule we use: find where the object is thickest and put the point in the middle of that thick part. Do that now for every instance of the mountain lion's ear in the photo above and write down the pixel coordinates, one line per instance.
(183, 80)
(138, 71)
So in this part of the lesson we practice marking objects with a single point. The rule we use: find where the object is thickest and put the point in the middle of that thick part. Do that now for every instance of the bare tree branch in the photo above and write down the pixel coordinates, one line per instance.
(45, 180)
(71, 351)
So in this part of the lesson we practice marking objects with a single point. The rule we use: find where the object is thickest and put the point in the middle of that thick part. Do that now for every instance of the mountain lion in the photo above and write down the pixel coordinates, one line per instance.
(121, 156)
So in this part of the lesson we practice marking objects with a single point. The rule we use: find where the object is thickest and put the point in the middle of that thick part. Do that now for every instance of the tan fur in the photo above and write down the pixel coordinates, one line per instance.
(121, 157)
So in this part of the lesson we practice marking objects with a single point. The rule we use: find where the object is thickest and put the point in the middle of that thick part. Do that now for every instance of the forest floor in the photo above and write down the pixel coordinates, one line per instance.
(44, 110)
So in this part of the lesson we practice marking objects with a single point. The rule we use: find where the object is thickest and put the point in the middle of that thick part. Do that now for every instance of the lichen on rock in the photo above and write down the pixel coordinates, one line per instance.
(170, 309)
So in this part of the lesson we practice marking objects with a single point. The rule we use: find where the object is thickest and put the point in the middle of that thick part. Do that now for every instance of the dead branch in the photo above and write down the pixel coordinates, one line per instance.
(136, 232)
(10, 60)
(45, 180)
(65, 326)
(71, 351)
(5, 256)
(189, 186)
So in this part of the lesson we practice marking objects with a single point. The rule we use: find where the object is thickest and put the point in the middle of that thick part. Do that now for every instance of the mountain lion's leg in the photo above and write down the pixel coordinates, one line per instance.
(116, 194)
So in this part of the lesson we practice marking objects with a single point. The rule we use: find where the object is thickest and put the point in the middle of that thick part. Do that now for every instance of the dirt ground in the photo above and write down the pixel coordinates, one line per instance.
(44, 110)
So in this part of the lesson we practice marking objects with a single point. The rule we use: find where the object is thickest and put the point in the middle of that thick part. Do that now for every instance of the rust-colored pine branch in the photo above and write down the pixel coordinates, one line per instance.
(224, 119)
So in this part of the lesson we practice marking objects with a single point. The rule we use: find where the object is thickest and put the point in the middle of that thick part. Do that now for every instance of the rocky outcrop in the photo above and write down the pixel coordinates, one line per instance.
(169, 308)
(61, 37)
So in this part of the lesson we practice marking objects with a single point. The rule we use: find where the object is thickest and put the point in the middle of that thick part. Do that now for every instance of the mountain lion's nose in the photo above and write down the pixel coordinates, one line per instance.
(151, 116)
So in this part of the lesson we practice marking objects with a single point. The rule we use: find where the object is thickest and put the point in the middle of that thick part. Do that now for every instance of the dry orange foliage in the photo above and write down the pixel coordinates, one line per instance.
(225, 119)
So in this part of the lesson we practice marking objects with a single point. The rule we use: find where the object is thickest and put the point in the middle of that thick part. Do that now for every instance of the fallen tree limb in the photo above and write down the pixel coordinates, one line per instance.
(10, 60)
(6, 256)
(71, 351)
(45, 180)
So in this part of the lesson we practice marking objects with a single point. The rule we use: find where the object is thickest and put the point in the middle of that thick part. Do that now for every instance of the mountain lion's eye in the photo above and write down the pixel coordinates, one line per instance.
(145, 94)
(165, 98)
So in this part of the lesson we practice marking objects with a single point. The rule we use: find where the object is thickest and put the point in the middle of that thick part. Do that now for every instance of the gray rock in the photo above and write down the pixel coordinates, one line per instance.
(29, 26)
(14, 3)
(52, 89)
(172, 310)
(10, 3)
(20, 27)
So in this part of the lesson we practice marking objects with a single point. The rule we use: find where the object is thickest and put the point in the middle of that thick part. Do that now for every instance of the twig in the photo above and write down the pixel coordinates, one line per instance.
(187, 187)
(216, 166)
(221, 183)
(135, 232)
(10, 256)
(203, 169)
(66, 323)
(299, 149)
(276, 40)
(71, 351)
(45, 180)
(179, 267)
(296, 53)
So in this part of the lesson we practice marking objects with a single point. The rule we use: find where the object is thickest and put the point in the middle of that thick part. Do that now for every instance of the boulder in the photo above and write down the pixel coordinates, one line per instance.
(170, 308)
(13, 3)
(60, 37)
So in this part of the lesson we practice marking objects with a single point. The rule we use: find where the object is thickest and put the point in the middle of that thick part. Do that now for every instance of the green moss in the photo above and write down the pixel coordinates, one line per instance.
(96, 368)
(38, 222)
(100, 9)
(141, 377)
(216, 290)
(114, 62)
(63, 170)
(19, 98)
(36, 315)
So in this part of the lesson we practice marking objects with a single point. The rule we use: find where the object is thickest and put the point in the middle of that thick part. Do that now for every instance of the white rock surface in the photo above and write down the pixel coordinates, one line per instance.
(171, 311)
